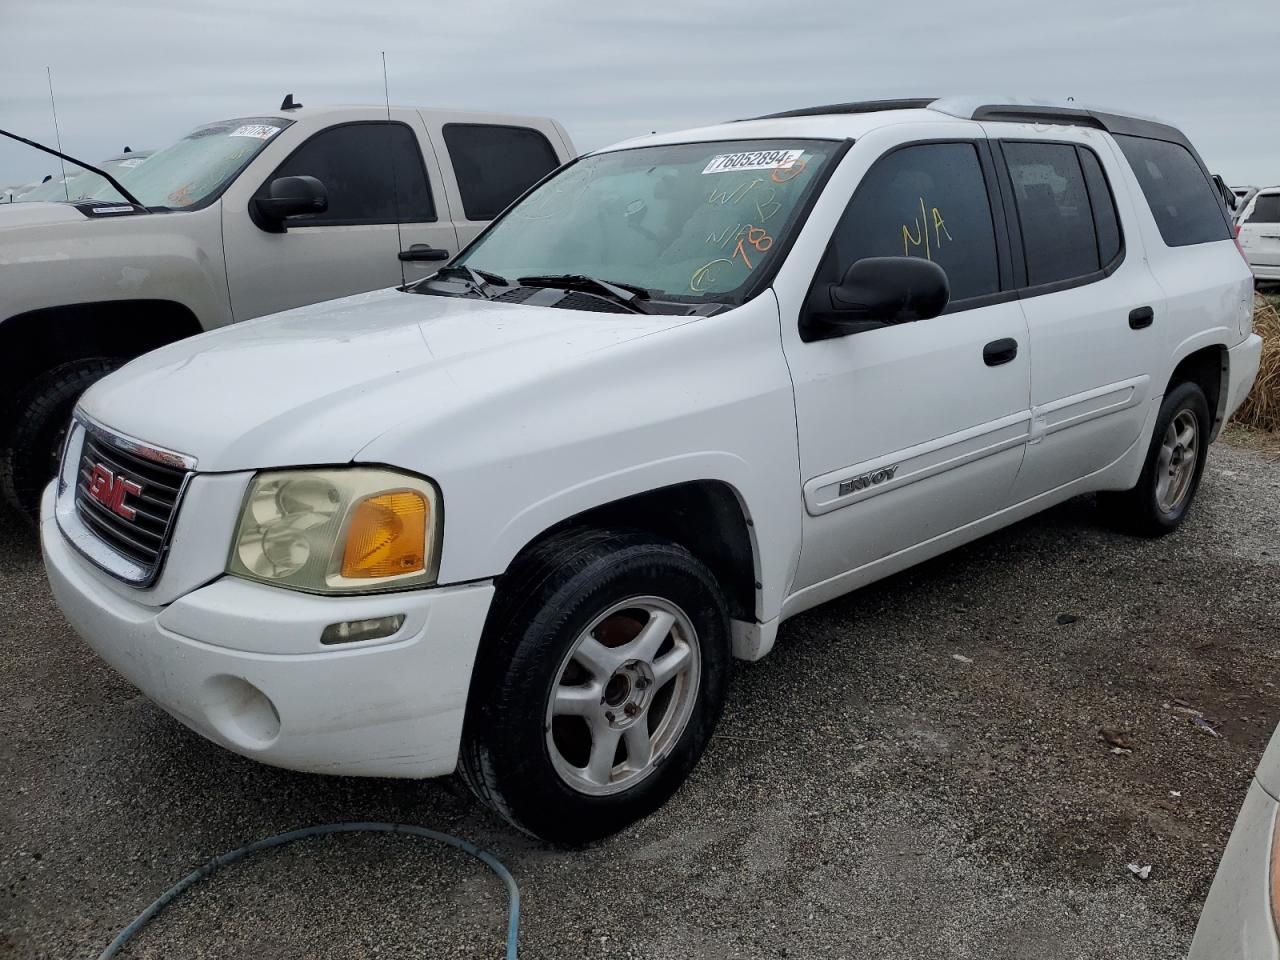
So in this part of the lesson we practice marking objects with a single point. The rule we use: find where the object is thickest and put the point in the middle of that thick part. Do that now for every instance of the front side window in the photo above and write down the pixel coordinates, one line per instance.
(495, 164)
(1182, 198)
(927, 200)
(1266, 209)
(1056, 220)
(196, 169)
(692, 222)
(372, 172)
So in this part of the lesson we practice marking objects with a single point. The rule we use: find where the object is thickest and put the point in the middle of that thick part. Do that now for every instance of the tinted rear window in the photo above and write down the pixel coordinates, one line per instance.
(1182, 199)
(1054, 213)
(1266, 209)
(495, 164)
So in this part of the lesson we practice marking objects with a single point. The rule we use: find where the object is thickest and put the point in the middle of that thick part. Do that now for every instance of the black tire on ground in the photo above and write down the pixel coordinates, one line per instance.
(544, 604)
(1138, 510)
(37, 426)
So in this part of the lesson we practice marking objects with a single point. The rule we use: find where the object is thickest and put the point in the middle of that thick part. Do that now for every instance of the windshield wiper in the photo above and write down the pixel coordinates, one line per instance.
(80, 163)
(629, 295)
(481, 281)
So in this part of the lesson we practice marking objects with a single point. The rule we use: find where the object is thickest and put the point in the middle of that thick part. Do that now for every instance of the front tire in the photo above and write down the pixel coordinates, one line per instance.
(1163, 495)
(38, 425)
(599, 682)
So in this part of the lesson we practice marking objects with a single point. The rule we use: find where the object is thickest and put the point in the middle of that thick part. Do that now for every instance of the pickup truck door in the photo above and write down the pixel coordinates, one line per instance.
(908, 432)
(385, 195)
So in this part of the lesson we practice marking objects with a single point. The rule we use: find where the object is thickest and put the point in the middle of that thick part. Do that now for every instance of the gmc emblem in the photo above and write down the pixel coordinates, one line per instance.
(110, 490)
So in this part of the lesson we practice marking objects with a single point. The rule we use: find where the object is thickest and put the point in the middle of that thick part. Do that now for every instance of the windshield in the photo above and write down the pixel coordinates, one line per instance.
(198, 166)
(82, 183)
(688, 222)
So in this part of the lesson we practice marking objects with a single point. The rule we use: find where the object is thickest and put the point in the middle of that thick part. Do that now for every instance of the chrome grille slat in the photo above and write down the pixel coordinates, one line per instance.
(121, 462)
(141, 538)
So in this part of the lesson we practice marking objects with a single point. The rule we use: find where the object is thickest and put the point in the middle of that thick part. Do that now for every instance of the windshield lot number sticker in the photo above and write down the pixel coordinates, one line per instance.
(259, 131)
(755, 160)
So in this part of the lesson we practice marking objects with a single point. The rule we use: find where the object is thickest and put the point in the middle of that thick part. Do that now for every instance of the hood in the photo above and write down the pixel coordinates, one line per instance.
(317, 384)
(37, 213)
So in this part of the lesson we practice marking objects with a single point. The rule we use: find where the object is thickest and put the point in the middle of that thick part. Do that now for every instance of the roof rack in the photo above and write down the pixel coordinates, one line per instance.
(856, 106)
(1006, 110)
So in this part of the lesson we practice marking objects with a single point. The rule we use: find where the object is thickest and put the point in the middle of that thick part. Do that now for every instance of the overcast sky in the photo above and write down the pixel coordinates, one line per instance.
(143, 72)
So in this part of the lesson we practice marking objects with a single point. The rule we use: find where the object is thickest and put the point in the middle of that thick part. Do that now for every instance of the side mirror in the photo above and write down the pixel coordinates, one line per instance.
(876, 292)
(288, 197)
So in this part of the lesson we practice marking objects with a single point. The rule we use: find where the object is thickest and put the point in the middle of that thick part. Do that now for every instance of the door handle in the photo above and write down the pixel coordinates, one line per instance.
(1141, 317)
(423, 251)
(999, 351)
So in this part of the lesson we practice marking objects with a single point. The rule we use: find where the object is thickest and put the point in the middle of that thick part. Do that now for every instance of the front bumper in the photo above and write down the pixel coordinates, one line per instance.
(1236, 922)
(241, 664)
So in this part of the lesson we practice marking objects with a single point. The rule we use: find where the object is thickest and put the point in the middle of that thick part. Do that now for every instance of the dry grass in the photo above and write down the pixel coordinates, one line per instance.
(1261, 409)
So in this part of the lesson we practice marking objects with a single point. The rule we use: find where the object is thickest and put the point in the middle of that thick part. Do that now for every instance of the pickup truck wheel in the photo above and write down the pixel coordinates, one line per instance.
(604, 676)
(1171, 475)
(40, 419)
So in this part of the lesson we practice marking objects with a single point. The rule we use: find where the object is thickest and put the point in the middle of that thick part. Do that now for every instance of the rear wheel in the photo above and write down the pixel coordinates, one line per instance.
(38, 425)
(1171, 475)
(599, 683)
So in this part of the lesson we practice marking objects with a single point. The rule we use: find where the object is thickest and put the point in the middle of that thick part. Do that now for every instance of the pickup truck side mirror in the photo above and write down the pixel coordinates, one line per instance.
(876, 292)
(288, 197)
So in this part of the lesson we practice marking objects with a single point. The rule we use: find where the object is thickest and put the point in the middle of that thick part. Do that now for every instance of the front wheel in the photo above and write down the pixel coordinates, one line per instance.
(39, 424)
(1161, 499)
(600, 681)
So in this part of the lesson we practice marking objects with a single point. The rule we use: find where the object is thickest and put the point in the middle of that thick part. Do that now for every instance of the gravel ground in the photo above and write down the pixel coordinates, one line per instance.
(916, 771)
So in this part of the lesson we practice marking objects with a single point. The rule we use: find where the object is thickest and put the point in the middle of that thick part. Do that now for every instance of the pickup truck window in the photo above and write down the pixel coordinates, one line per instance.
(372, 171)
(690, 222)
(193, 172)
(495, 164)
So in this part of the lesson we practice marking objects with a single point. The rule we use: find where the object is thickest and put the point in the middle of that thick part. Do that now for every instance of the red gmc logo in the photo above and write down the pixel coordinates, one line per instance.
(110, 490)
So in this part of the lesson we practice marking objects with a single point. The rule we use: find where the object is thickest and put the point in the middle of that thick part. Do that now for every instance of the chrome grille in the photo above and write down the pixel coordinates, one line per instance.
(127, 496)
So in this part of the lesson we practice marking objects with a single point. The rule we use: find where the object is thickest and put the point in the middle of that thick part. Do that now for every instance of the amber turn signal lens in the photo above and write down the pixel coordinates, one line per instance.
(387, 536)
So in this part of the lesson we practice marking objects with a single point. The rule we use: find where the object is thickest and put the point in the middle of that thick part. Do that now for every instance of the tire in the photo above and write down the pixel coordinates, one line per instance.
(38, 425)
(1170, 477)
(535, 769)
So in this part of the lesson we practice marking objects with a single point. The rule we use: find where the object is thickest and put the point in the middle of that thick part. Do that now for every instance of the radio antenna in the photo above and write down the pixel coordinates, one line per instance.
(48, 72)
(395, 185)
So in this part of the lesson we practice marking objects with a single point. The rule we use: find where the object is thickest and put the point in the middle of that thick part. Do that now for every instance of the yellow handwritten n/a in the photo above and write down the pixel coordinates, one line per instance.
(921, 236)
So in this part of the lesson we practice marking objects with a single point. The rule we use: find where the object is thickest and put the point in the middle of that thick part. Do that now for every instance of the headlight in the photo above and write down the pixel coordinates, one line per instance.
(351, 530)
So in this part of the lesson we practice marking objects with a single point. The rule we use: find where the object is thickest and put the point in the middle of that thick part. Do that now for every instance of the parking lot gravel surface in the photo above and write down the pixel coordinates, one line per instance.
(916, 771)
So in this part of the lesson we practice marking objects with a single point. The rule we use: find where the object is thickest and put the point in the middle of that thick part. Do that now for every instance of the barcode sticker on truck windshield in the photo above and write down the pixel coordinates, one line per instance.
(131, 163)
(755, 160)
(259, 131)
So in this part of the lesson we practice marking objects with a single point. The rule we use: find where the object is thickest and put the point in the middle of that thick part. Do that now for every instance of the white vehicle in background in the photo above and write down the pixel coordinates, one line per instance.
(1243, 195)
(1240, 916)
(237, 219)
(516, 518)
(81, 185)
(1259, 233)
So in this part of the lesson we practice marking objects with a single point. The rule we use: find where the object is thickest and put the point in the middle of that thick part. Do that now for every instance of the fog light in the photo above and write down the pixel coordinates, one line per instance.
(354, 631)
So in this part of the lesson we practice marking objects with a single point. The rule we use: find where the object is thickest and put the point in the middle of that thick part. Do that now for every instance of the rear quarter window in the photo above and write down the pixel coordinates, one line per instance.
(495, 164)
(1182, 198)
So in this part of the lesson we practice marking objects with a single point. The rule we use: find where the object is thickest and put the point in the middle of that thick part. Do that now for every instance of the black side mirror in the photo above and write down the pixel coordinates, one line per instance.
(288, 197)
(876, 292)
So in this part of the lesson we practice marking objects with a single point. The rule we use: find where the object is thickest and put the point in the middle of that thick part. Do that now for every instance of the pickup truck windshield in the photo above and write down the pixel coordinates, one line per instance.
(81, 184)
(688, 222)
(196, 168)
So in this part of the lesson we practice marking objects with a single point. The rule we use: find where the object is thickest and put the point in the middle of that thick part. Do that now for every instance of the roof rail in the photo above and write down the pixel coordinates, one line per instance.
(856, 106)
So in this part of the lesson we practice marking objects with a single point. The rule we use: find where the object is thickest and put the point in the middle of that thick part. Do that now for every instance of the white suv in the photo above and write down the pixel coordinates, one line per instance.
(1259, 232)
(518, 517)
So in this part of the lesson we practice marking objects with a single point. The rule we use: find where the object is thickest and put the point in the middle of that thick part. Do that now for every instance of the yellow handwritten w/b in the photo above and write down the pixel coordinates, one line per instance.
(921, 235)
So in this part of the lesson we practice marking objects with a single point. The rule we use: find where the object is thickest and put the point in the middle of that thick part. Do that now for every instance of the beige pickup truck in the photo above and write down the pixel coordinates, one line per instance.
(238, 219)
